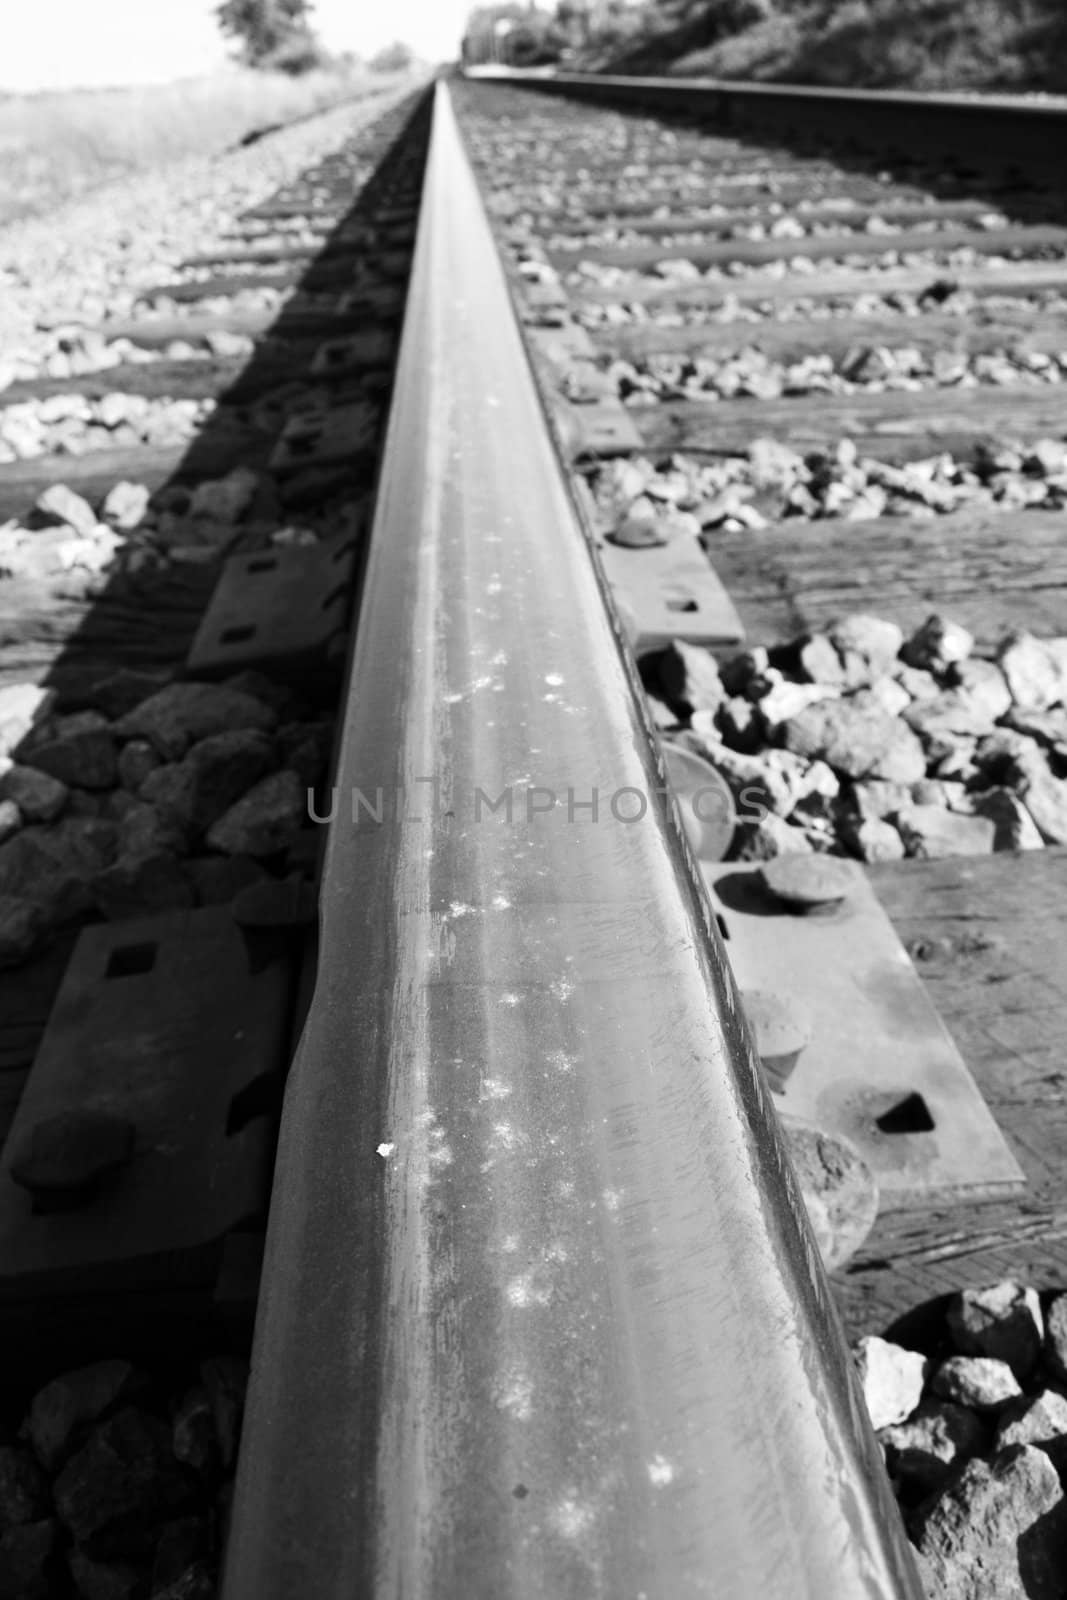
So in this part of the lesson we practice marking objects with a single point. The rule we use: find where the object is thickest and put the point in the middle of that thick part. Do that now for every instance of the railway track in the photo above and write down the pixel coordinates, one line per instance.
(500, 1344)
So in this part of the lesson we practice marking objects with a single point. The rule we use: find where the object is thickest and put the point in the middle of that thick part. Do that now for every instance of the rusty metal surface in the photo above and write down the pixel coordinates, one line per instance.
(279, 610)
(188, 1084)
(881, 1069)
(542, 1313)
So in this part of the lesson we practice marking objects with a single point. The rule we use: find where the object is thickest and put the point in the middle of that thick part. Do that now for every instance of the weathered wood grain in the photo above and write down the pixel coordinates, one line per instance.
(896, 425)
(989, 570)
(1017, 278)
(1022, 240)
(987, 935)
(693, 217)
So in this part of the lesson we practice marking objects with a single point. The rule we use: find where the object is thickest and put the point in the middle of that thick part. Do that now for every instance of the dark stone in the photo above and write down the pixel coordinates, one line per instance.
(106, 1580)
(72, 1400)
(182, 1544)
(139, 884)
(216, 772)
(195, 1440)
(196, 1583)
(144, 830)
(39, 797)
(283, 700)
(124, 690)
(122, 1483)
(183, 713)
(54, 866)
(23, 926)
(23, 1488)
(136, 760)
(85, 759)
(305, 748)
(70, 1153)
(265, 821)
(27, 1560)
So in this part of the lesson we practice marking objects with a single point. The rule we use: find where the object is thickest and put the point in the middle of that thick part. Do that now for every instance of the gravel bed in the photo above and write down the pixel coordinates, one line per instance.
(864, 369)
(95, 257)
(71, 424)
(860, 742)
(116, 1482)
(142, 793)
(681, 271)
(644, 502)
(942, 293)
(973, 1426)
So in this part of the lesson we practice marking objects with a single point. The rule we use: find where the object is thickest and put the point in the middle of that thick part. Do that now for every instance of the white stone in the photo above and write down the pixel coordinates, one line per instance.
(892, 1379)
(980, 1382)
(1032, 672)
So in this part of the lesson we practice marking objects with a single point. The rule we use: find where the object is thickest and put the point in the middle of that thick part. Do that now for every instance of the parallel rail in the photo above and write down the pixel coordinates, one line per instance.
(985, 132)
(542, 1314)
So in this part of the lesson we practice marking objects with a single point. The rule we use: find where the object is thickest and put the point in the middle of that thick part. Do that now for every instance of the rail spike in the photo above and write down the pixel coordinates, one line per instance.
(542, 1316)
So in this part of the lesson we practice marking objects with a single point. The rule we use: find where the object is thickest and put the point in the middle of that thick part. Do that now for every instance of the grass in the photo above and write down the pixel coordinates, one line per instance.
(54, 146)
(1011, 45)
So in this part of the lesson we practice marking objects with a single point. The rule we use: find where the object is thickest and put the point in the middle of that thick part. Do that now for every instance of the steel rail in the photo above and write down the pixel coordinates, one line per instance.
(986, 132)
(542, 1314)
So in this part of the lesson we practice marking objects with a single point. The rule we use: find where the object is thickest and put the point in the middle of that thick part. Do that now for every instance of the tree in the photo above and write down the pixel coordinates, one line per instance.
(396, 57)
(272, 33)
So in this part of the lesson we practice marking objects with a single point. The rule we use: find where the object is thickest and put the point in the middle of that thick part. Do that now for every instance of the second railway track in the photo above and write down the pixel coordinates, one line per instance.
(533, 1232)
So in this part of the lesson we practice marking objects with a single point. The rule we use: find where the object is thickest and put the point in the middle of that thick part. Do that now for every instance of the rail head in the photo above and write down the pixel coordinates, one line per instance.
(542, 1314)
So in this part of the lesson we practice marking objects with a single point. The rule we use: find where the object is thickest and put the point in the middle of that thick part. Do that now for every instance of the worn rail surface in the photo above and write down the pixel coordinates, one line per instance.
(541, 1311)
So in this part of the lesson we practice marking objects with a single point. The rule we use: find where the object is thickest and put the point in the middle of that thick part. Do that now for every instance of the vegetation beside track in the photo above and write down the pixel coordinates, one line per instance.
(55, 146)
(921, 44)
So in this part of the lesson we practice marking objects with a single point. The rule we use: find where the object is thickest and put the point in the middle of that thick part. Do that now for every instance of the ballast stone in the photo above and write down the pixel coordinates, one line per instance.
(126, 504)
(872, 643)
(926, 1448)
(265, 821)
(182, 713)
(39, 796)
(892, 1379)
(873, 839)
(1003, 1321)
(84, 759)
(931, 832)
(980, 1382)
(61, 505)
(999, 1531)
(1040, 1420)
(1032, 671)
(937, 644)
(23, 1488)
(857, 742)
(70, 1401)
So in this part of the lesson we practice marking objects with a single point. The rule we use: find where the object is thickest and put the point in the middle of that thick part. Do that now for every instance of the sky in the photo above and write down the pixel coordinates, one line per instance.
(50, 44)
